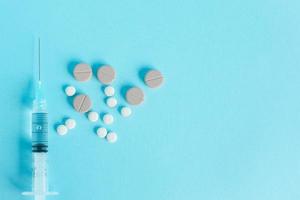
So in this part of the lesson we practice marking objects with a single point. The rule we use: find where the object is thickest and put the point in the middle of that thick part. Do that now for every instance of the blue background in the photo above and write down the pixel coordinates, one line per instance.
(225, 125)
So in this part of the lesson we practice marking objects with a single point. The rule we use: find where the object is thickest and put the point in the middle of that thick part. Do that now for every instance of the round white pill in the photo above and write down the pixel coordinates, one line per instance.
(108, 119)
(126, 111)
(62, 129)
(101, 132)
(70, 91)
(93, 116)
(112, 137)
(70, 123)
(111, 102)
(109, 91)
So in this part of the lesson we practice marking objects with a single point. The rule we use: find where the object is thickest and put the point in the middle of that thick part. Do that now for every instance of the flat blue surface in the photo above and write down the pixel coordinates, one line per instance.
(225, 125)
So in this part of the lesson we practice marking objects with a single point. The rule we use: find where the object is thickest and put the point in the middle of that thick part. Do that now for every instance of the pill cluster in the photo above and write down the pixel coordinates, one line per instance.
(106, 75)
(110, 136)
(69, 124)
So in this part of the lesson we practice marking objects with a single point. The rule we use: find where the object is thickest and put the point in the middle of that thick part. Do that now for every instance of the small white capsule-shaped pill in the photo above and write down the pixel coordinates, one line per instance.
(126, 111)
(102, 132)
(70, 91)
(93, 116)
(112, 137)
(70, 123)
(62, 129)
(108, 119)
(111, 102)
(109, 91)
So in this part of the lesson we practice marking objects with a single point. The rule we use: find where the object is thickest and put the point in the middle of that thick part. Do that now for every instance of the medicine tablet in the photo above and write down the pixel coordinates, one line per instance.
(70, 123)
(62, 129)
(134, 96)
(126, 111)
(82, 103)
(93, 116)
(106, 74)
(108, 119)
(101, 132)
(109, 91)
(70, 91)
(153, 78)
(111, 102)
(82, 72)
(112, 137)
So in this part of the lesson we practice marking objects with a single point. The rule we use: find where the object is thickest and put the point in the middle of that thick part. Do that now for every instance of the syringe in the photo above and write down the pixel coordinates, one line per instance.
(39, 141)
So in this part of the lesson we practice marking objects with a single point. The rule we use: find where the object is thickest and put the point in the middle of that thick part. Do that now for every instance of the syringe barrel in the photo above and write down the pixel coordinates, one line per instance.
(39, 175)
(40, 132)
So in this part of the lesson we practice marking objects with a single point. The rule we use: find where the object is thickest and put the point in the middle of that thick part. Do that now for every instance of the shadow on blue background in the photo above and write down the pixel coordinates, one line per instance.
(22, 180)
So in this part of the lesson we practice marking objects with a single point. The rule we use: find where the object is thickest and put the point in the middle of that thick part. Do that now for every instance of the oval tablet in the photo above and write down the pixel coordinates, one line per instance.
(108, 119)
(109, 91)
(106, 74)
(82, 103)
(111, 102)
(82, 72)
(70, 91)
(153, 79)
(101, 132)
(126, 111)
(93, 116)
(134, 96)
(112, 137)
(70, 123)
(62, 129)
